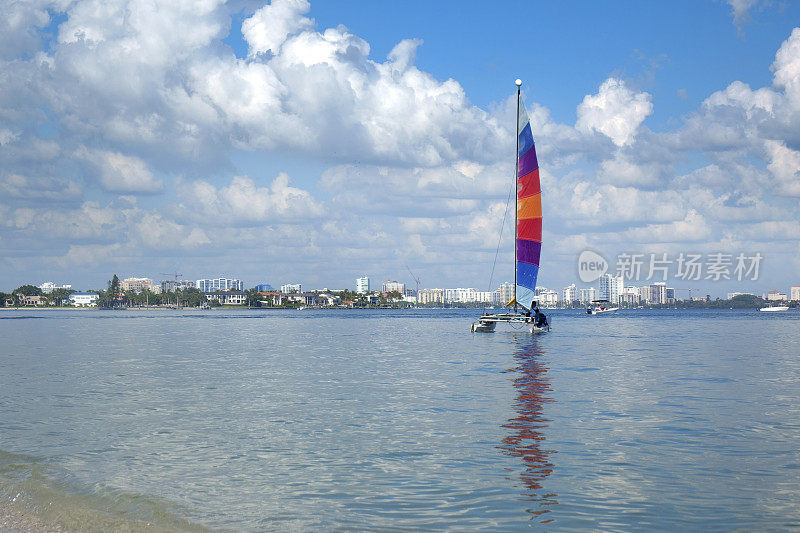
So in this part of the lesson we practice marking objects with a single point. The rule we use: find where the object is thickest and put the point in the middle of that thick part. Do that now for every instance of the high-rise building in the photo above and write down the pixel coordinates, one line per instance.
(219, 284)
(570, 294)
(393, 286)
(430, 296)
(264, 287)
(587, 295)
(505, 293)
(610, 287)
(629, 296)
(138, 284)
(547, 297)
(794, 292)
(658, 293)
(292, 287)
(362, 285)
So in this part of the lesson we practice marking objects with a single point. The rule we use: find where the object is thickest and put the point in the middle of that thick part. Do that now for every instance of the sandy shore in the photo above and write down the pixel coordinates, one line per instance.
(15, 521)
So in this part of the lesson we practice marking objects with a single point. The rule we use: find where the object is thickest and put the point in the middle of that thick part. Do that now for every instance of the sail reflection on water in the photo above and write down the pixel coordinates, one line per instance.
(526, 436)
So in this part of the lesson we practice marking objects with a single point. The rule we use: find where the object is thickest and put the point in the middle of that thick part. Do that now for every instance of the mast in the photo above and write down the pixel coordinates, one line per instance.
(516, 195)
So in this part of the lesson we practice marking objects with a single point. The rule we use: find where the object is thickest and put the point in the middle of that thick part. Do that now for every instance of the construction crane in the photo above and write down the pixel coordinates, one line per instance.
(177, 275)
(416, 280)
(689, 289)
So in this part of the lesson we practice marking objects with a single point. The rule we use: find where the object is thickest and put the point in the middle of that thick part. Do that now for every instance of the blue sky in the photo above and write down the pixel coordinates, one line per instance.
(317, 142)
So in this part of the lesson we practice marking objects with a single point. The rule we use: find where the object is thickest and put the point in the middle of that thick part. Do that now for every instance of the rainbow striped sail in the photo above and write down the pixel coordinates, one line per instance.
(529, 212)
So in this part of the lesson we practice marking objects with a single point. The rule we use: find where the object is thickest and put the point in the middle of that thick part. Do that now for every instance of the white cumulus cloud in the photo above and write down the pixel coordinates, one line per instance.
(615, 111)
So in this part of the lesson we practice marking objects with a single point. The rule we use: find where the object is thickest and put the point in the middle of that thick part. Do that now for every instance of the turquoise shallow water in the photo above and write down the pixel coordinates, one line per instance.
(400, 420)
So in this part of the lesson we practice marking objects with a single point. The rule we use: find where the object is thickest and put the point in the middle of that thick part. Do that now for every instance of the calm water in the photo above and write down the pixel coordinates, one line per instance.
(404, 420)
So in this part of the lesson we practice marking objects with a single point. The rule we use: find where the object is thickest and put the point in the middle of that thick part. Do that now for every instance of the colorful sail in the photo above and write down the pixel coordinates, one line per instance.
(529, 213)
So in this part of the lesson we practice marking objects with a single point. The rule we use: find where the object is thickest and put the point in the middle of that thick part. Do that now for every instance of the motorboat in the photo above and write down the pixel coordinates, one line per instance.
(600, 307)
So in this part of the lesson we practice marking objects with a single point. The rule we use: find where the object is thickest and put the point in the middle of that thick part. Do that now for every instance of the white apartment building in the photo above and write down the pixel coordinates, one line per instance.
(137, 284)
(503, 294)
(430, 296)
(570, 294)
(48, 287)
(630, 296)
(292, 287)
(83, 299)
(794, 292)
(547, 297)
(775, 296)
(228, 297)
(362, 285)
(587, 295)
(393, 286)
(219, 284)
(609, 287)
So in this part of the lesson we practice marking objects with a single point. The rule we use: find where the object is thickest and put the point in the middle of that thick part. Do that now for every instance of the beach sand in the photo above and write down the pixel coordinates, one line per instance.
(16, 521)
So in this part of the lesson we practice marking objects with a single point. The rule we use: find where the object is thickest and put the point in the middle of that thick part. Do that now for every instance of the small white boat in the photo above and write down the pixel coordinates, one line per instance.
(600, 307)
(775, 308)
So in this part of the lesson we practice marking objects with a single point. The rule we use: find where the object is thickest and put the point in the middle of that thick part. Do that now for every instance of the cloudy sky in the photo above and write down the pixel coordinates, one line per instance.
(317, 142)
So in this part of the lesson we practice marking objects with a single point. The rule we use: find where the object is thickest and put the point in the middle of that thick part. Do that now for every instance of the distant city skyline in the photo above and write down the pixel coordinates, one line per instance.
(314, 142)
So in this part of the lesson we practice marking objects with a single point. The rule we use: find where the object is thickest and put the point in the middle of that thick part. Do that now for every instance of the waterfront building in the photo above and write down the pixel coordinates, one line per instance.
(35, 301)
(362, 285)
(393, 286)
(505, 293)
(658, 293)
(228, 297)
(570, 294)
(644, 294)
(305, 298)
(430, 296)
(630, 296)
(547, 297)
(219, 284)
(83, 299)
(272, 298)
(137, 285)
(48, 287)
(172, 285)
(587, 295)
(485, 297)
(775, 296)
(609, 287)
(794, 292)
(289, 288)
(670, 295)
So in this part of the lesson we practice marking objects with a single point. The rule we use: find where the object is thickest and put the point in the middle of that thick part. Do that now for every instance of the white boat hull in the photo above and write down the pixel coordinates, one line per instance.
(776, 308)
(611, 310)
(488, 323)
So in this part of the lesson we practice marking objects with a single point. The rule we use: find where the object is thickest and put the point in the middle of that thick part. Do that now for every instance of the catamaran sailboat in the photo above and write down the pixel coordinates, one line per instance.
(527, 237)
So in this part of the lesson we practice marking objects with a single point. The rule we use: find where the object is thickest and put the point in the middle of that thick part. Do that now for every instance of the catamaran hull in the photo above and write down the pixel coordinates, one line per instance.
(483, 327)
(488, 323)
